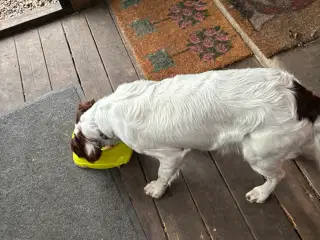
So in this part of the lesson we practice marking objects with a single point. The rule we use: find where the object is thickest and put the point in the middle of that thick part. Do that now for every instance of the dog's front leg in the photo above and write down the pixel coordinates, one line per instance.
(170, 162)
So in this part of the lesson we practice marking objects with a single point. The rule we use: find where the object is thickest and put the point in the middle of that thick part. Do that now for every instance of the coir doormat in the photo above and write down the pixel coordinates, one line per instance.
(178, 36)
(277, 25)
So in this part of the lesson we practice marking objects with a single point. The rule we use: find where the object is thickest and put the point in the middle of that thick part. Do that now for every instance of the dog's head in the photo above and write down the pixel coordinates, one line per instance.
(87, 139)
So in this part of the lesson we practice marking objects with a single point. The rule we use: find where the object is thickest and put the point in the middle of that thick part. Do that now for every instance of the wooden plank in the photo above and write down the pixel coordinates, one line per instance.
(213, 199)
(128, 46)
(267, 221)
(127, 202)
(112, 51)
(134, 181)
(93, 77)
(299, 202)
(311, 171)
(58, 57)
(32, 65)
(11, 94)
(177, 209)
(250, 62)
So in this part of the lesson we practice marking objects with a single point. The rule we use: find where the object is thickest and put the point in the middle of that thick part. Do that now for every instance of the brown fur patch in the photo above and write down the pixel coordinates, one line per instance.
(83, 107)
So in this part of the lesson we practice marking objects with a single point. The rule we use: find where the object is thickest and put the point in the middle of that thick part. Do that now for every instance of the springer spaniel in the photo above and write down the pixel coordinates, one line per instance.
(266, 113)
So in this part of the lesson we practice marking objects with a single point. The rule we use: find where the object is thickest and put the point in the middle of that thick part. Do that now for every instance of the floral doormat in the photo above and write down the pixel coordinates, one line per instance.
(178, 36)
(277, 25)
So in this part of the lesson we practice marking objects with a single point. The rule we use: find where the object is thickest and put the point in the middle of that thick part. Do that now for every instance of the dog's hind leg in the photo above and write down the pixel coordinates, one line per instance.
(266, 156)
(273, 175)
(269, 167)
(266, 150)
(170, 162)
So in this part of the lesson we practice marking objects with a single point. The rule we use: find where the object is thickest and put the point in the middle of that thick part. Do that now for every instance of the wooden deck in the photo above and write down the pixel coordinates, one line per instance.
(208, 200)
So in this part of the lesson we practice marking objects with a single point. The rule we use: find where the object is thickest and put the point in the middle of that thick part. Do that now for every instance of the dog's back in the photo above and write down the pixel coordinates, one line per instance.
(206, 110)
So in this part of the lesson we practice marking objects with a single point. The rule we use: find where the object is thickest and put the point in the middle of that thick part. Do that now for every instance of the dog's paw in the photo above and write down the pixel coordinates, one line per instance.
(256, 195)
(155, 189)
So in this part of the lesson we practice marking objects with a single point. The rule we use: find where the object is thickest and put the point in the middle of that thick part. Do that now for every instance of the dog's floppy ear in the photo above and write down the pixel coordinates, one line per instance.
(86, 105)
(83, 107)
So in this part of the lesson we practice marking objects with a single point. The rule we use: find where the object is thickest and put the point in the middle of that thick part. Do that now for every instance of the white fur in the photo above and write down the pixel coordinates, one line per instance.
(254, 109)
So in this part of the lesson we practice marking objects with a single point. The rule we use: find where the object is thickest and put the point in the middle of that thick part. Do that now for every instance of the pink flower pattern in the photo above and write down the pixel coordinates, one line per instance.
(186, 24)
(221, 47)
(200, 8)
(194, 38)
(175, 9)
(177, 18)
(222, 37)
(209, 43)
(199, 16)
(207, 57)
(189, 12)
(197, 48)
(210, 32)
(189, 3)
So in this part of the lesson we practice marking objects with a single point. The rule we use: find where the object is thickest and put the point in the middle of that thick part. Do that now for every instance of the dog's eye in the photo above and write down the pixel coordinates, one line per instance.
(104, 137)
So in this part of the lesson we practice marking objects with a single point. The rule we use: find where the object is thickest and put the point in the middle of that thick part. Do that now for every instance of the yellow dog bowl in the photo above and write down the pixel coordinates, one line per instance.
(110, 158)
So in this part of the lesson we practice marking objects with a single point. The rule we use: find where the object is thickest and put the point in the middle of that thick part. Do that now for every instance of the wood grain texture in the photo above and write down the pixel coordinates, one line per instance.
(11, 94)
(58, 57)
(213, 199)
(127, 202)
(299, 202)
(112, 51)
(311, 171)
(93, 77)
(134, 181)
(128, 47)
(177, 209)
(267, 221)
(33, 68)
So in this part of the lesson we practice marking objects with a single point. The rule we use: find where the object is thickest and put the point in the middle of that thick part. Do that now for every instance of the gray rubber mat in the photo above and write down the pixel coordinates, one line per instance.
(43, 195)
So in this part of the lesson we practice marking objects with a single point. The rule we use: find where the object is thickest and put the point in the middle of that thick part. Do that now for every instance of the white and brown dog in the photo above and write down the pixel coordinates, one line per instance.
(265, 112)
